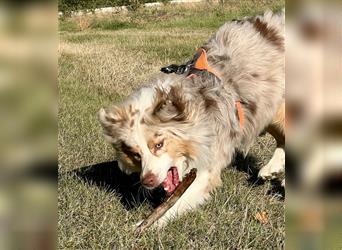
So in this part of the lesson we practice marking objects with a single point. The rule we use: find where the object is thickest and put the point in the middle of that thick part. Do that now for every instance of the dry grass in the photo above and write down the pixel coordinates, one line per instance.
(101, 65)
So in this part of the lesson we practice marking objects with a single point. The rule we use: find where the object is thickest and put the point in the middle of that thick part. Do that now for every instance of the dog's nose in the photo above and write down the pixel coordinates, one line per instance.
(149, 180)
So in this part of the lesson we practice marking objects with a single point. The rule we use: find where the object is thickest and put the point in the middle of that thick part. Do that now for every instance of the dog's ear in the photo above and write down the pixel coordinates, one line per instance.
(111, 120)
(170, 106)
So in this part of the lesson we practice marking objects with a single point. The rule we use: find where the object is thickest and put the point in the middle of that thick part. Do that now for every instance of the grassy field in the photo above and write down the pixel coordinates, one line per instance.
(102, 60)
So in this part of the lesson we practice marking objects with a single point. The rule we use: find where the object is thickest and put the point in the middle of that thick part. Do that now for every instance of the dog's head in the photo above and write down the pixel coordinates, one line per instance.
(149, 135)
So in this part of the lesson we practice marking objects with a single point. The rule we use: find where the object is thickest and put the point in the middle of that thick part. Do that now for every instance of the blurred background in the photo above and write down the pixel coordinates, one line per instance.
(28, 127)
(314, 125)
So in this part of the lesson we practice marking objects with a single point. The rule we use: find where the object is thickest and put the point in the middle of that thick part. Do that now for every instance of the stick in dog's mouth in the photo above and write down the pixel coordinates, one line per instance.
(159, 211)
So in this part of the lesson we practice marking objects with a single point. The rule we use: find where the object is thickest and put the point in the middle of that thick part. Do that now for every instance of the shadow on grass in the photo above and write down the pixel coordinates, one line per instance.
(108, 176)
(248, 165)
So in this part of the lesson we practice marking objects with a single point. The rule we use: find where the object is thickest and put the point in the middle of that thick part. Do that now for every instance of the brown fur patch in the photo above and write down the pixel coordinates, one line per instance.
(252, 107)
(269, 33)
(110, 119)
(134, 112)
(232, 133)
(131, 123)
(173, 146)
(157, 134)
(159, 101)
(169, 106)
(151, 144)
(174, 134)
(277, 128)
(208, 101)
(131, 111)
(178, 148)
(176, 97)
(131, 154)
(277, 134)
(119, 116)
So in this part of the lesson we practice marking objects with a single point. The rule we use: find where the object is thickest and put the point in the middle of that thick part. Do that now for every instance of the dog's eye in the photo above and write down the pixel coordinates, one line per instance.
(159, 145)
(137, 156)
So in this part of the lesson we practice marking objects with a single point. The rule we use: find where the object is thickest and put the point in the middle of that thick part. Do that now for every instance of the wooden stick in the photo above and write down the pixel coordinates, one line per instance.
(159, 211)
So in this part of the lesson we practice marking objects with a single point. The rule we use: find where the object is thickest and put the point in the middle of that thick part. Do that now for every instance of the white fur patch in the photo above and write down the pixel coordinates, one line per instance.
(275, 167)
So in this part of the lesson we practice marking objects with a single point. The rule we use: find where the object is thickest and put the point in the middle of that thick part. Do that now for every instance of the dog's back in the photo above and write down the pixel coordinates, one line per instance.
(249, 53)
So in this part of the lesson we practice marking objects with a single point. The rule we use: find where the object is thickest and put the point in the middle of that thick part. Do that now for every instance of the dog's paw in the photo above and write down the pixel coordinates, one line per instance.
(271, 172)
(275, 169)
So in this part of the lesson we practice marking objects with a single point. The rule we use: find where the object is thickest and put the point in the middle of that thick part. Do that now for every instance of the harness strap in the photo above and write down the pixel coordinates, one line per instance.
(200, 62)
(240, 113)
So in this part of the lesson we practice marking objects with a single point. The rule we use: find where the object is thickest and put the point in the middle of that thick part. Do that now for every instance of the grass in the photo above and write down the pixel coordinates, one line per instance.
(101, 61)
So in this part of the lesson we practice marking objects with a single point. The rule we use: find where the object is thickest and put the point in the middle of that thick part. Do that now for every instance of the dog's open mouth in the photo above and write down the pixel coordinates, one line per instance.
(171, 181)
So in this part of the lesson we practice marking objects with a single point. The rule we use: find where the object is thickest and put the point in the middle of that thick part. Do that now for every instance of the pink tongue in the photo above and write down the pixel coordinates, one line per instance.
(172, 180)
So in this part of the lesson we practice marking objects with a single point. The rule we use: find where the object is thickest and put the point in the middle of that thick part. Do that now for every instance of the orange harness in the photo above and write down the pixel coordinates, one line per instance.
(202, 64)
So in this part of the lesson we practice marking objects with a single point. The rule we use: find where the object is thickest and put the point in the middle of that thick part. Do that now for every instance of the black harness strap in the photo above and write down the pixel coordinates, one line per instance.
(183, 68)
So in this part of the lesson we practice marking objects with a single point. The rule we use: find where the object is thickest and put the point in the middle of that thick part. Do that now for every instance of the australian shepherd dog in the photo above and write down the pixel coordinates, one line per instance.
(204, 111)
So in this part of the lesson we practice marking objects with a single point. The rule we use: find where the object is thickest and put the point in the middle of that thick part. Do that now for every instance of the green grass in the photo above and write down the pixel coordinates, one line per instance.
(113, 25)
(101, 61)
(207, 16)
